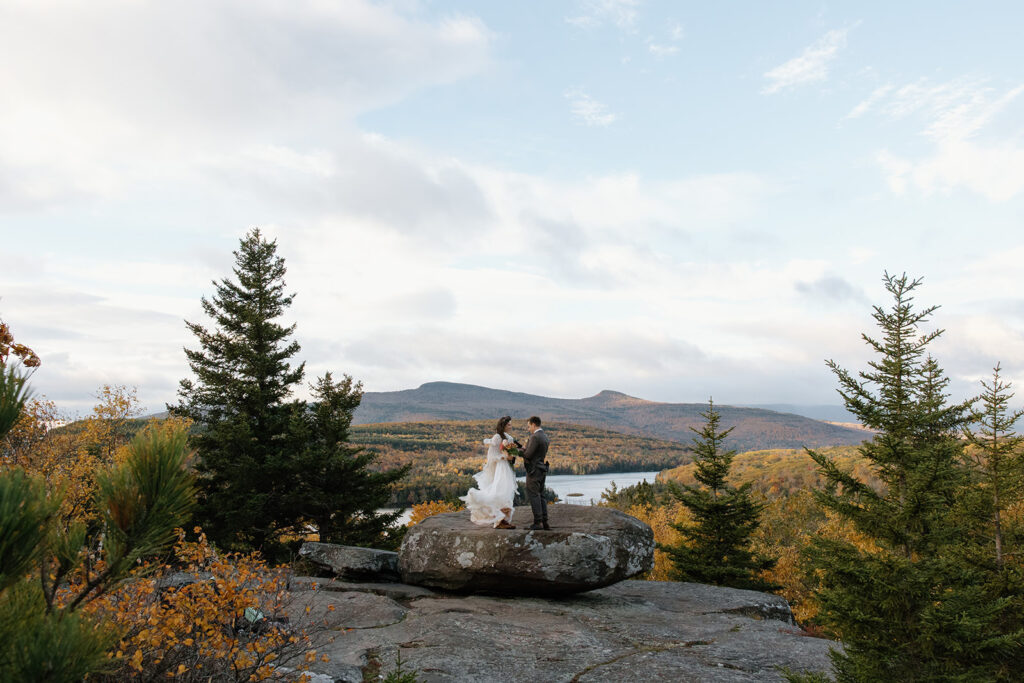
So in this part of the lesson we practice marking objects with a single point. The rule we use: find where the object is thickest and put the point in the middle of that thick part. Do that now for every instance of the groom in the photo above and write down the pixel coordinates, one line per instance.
(536, 472)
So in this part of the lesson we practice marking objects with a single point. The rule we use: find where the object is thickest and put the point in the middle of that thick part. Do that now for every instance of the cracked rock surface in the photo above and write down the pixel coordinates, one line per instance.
(588, 547)
(634, 630)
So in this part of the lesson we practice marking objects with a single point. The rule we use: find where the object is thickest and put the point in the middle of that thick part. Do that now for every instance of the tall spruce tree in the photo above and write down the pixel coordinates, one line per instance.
(334, 487)
(239, 401)
(715, 548)
(906, 604)
(997, 459)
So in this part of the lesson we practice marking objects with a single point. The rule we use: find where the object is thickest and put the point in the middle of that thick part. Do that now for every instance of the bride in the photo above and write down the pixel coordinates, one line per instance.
(491, 501)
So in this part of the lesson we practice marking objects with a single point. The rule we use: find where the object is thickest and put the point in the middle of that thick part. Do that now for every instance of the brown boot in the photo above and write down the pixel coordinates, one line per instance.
(505, 525)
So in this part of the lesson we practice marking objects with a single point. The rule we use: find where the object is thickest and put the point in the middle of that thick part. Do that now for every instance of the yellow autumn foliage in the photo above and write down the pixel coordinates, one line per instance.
(421, 511)
(230, 624)
(661, 518)
(68, 458)
(9, 347)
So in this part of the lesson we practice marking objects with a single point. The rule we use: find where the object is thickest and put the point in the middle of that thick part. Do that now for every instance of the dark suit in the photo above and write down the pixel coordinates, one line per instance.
(536, 472)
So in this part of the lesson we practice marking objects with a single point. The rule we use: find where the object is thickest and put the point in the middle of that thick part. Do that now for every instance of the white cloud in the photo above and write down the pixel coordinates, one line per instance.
(595, 13)
(832, 289)
(810, 67)
(409, 265)
(518, 323)
(659, 50)
(896, 170)
(859, 255)
(360, 177)
(995, 172)
(587, 110)
(952, 115)
(102, 97)
(218, 115)
(396, 251)
(952, 110)
(868, 103)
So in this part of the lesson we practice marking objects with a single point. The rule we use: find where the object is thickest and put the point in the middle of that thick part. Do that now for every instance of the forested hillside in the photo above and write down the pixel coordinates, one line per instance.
(444, 455)
(780, 471)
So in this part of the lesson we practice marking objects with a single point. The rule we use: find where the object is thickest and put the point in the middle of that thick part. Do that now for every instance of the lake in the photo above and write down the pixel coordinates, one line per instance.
(590, 486)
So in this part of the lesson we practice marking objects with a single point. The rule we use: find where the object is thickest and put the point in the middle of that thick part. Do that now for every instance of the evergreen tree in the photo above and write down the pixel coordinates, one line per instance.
(239, 401)
(903, 600)
(996, 458)
(270, 465)
(715, 549)
(334, 486)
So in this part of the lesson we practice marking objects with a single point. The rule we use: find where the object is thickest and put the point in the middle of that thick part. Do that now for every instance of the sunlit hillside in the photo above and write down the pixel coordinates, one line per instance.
(779, 471)
(444, 455)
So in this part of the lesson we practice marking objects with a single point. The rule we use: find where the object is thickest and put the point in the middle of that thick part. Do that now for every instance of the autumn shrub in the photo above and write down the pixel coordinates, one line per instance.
(661, 518)
(9, 347)
(208, 616)
(421, 511)
(787, 525)
(69, 457)
(84, 595)
(51, 572)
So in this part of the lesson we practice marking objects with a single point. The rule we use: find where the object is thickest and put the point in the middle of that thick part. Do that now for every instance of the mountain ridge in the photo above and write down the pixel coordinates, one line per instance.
(753, 428)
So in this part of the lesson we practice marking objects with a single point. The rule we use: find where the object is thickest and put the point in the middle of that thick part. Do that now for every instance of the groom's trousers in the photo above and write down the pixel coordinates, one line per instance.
(535, 494)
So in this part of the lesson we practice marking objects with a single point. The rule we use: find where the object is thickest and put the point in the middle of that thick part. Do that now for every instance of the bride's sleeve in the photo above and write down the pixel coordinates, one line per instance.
(493, 450)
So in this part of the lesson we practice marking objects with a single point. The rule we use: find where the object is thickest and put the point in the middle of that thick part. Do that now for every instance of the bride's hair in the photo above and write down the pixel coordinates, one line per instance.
(502, 423)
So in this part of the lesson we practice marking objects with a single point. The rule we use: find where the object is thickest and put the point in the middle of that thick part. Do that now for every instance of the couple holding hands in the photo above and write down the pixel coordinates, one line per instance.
(490, 502)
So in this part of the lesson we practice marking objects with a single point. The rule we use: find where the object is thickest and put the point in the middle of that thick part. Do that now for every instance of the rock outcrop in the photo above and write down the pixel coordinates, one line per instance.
(351, 563)
(587, 548)
(634, 630)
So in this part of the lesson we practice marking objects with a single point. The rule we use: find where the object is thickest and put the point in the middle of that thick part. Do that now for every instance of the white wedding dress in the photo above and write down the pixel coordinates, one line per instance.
(495, 486)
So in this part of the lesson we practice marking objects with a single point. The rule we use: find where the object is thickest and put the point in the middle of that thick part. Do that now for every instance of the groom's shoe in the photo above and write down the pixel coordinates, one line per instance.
(546, 527)
(535, 527)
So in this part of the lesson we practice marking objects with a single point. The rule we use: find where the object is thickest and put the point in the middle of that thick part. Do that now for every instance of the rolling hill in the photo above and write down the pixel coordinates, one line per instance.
(754, 428)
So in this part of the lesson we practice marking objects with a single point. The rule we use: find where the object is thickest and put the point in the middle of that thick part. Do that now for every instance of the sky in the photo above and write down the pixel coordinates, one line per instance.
(673, 200)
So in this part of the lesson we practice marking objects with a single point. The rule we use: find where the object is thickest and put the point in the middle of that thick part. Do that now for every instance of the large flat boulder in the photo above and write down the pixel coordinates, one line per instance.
(632, 631)
(587, 548)
(352, 563)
